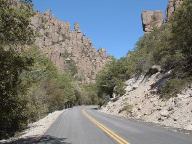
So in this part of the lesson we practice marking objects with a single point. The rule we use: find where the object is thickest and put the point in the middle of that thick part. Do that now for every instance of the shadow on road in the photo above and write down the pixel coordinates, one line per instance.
(43, 140)
(96, 108)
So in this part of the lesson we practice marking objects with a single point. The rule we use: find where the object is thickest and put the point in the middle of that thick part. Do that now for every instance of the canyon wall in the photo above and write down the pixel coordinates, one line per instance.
(70, 50)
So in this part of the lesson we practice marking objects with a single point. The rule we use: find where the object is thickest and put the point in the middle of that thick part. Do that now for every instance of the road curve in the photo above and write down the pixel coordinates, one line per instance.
(84, 125)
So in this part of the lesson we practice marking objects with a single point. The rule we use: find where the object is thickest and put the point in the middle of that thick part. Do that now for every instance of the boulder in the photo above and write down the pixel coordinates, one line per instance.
(164, 113)
(77, 27)
(151, 20)
(153, 70)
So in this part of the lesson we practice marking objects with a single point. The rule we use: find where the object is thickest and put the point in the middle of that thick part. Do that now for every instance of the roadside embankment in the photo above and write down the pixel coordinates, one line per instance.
(141, 101)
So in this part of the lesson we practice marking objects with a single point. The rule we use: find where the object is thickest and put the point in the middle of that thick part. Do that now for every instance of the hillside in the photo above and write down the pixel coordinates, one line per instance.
(142, 102)
(153, 83)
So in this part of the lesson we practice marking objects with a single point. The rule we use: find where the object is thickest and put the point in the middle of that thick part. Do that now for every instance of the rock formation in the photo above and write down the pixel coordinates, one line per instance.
(151, 19)
(172, 6)
(66, 48)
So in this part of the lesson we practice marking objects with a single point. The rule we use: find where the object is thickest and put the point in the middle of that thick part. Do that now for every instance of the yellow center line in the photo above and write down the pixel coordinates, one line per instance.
(109, 132)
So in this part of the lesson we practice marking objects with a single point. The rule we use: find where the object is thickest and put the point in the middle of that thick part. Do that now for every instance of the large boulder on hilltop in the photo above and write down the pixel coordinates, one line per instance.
(154, 19)
(151, 20)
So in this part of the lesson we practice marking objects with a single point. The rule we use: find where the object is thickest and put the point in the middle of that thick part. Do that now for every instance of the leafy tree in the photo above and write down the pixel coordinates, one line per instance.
(60, 91)
(15, 23)
(90, 94)
(14, 31)
(47, 87)
(12, 106)
(112, 76)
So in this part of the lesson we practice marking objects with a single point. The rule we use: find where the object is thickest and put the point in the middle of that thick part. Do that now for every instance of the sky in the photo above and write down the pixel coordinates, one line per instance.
(112, 24)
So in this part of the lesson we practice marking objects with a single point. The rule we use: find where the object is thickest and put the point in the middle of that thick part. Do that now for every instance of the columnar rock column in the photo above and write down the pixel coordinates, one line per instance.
(172, 6)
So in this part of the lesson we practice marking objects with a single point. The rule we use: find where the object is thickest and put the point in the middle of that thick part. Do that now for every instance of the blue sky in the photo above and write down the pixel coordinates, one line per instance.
(111, 24)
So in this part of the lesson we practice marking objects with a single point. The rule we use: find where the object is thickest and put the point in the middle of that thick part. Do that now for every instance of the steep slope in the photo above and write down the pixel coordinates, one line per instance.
(69, 49)
(142, 102)
(160, 91)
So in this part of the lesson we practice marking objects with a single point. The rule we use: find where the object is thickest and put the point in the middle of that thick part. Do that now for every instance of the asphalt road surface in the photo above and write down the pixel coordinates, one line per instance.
(85, 125)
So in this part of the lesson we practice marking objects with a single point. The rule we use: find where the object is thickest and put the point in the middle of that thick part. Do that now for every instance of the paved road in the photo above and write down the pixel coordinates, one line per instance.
(83, 125)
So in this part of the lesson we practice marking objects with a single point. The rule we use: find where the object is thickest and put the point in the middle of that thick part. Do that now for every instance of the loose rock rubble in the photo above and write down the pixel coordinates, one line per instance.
(148, 106)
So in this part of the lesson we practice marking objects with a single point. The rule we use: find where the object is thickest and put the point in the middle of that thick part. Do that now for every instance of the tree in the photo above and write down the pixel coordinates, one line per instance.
(111, 78)
(15, 23)
(15, 32)
(182, 38)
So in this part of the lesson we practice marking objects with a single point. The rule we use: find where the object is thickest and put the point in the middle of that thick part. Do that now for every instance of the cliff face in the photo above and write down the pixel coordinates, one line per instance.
(172, 6)
(68, 49)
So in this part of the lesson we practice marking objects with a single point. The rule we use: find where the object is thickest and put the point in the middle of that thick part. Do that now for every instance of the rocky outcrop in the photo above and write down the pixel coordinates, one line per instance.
(68, 49)
(172, 6)
(151, 20)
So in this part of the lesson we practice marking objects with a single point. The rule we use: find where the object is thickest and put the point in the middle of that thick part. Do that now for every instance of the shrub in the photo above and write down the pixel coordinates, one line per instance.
(119, 88)
(127, 108)
(174, 86)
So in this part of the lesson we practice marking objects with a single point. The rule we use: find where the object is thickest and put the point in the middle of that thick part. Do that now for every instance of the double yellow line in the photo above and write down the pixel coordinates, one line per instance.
(109, 132)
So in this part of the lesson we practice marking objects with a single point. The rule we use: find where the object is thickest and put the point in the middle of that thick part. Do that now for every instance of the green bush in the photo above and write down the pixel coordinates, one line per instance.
(127, 108)
(174, 86)
(15, 23)
(171, 88)
(86, 94)
(119, 88)
(46, 84)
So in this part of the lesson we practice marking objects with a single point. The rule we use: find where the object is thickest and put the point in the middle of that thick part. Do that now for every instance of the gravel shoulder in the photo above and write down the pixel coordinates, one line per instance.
(37, 129)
